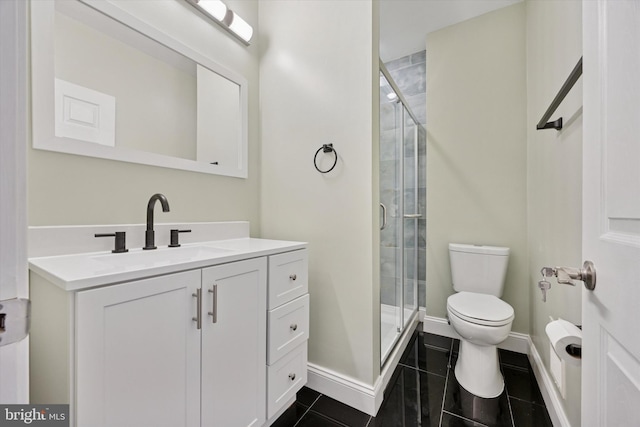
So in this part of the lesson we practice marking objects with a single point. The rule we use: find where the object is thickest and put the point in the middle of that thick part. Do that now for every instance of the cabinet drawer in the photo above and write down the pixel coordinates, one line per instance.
(288, 277)
(285, 378)
(288, 328)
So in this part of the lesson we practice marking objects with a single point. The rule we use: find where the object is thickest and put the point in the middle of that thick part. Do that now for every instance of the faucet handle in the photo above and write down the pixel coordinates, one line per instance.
(174, 237)
(120, 243)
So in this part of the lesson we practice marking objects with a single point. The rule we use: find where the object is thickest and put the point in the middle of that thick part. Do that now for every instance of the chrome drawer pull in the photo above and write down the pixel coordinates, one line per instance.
(293, 277)
(292, 377)
(293, 327)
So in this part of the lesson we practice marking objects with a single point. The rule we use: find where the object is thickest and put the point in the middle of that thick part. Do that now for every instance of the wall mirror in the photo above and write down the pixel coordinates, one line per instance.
(105, 84)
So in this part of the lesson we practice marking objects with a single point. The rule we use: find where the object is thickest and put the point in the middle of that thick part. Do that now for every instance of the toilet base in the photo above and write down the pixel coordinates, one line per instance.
(478, 370)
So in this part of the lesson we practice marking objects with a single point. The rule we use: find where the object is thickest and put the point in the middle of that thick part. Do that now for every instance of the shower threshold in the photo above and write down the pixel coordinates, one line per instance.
(389, 328)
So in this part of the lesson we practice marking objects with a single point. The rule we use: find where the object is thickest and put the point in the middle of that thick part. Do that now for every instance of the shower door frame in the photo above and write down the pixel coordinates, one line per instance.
(401, 320)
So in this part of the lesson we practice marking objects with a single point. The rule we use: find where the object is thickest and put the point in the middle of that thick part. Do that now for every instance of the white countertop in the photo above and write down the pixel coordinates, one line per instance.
(86, 270)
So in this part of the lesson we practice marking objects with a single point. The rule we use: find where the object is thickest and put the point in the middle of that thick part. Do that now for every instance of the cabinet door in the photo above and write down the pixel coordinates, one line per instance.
(138, 354)
(234, 344)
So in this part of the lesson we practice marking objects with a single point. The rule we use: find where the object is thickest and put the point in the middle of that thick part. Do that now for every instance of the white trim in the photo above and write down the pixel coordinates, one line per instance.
(549, 393)
(350, 391)
(14, 358)
(343, 388)
(437, 325)
(422, 313)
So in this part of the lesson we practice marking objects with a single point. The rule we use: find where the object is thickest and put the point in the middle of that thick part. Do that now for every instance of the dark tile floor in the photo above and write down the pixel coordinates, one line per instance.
(424, 392)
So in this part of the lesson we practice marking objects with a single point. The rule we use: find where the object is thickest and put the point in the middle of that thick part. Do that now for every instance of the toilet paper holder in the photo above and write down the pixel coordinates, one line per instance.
(574, 350)
(566, 340)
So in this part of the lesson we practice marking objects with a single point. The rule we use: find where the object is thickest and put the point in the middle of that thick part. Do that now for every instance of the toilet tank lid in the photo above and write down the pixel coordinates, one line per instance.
(479, 249)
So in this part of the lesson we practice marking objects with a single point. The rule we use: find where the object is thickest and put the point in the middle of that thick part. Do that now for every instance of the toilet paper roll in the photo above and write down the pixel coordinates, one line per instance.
(563, 335)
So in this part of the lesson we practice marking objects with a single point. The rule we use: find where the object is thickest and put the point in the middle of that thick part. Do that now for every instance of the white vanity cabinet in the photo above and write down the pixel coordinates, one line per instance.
(138, 354)
(203, 347)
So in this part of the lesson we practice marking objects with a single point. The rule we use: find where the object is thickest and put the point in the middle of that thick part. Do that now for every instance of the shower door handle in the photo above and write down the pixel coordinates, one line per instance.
(384, 217)
(416, 215)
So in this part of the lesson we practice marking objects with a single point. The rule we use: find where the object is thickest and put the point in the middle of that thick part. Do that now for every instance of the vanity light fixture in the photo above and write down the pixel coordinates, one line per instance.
(238, 26)
(215, 8)
(226, 18)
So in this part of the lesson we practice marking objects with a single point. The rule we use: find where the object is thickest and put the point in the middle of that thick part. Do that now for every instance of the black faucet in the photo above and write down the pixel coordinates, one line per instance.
(149, 236)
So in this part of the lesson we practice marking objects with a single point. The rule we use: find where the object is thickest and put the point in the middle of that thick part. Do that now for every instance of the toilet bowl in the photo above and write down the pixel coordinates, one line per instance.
(479, 316)
(482, 321)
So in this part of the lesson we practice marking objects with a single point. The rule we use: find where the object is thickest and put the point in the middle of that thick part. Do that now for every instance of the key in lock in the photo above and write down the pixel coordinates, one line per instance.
(544, 287)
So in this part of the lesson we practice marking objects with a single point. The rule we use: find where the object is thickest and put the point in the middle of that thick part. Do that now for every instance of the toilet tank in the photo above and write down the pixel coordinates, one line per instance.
(477, 268)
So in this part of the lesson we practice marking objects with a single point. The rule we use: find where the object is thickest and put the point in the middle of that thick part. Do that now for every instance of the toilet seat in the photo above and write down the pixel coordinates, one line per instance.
(480, 309)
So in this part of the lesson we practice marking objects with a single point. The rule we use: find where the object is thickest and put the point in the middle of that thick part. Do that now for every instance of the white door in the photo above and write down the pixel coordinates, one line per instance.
(234, 346)
(611, 213)
(14, 363)
(138, 354)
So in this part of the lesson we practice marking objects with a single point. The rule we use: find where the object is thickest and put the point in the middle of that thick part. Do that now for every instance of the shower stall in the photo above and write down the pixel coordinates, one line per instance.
(402, 138)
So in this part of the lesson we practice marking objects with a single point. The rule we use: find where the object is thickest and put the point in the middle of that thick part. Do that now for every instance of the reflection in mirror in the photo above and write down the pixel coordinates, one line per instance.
(217, 121)
(122, 95)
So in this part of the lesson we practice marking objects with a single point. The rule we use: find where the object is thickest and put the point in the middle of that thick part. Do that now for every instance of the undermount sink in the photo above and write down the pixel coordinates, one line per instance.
(160, 256)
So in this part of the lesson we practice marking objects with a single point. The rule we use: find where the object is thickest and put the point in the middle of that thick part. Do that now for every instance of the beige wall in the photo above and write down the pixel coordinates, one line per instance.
(476, 150)
(554, 170)
(319, 84)
(66, 189)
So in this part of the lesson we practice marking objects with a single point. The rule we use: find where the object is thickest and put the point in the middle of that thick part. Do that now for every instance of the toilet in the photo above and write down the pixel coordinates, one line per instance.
(478, 315)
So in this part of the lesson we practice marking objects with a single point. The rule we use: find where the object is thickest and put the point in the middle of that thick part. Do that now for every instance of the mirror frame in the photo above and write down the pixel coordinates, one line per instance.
(42, 94)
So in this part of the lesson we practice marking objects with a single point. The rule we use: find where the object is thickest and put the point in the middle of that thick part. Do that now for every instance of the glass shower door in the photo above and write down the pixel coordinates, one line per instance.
(391, 230)
(400, 213)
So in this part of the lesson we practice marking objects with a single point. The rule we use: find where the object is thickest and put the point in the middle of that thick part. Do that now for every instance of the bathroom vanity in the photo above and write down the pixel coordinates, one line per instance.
(207, 334)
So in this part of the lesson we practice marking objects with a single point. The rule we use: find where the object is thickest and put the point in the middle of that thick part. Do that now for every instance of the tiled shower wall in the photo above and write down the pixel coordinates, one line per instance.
(409, 74)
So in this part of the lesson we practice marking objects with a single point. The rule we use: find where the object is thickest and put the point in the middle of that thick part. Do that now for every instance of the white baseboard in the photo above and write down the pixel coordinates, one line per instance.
(437, 325)
(342, 388)
(350, 391)
(549, 392)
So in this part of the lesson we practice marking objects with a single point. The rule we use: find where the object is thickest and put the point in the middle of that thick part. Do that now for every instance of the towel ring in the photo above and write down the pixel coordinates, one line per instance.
(326, 148)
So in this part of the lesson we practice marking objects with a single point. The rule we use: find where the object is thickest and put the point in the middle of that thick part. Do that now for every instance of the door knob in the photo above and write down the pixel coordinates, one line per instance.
(565, 275)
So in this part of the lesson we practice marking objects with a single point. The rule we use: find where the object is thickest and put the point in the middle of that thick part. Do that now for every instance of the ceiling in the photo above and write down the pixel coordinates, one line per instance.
(404, 24)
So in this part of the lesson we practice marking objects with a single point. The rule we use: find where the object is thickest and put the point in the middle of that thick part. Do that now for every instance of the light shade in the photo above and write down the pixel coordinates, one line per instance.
(215, 8)
(239, 26)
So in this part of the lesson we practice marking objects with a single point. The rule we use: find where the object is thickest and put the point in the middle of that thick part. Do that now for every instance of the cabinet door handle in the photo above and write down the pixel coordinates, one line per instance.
(292, 376)
(293, 327)
(293, 277)
(214, 301)
(198, 318)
